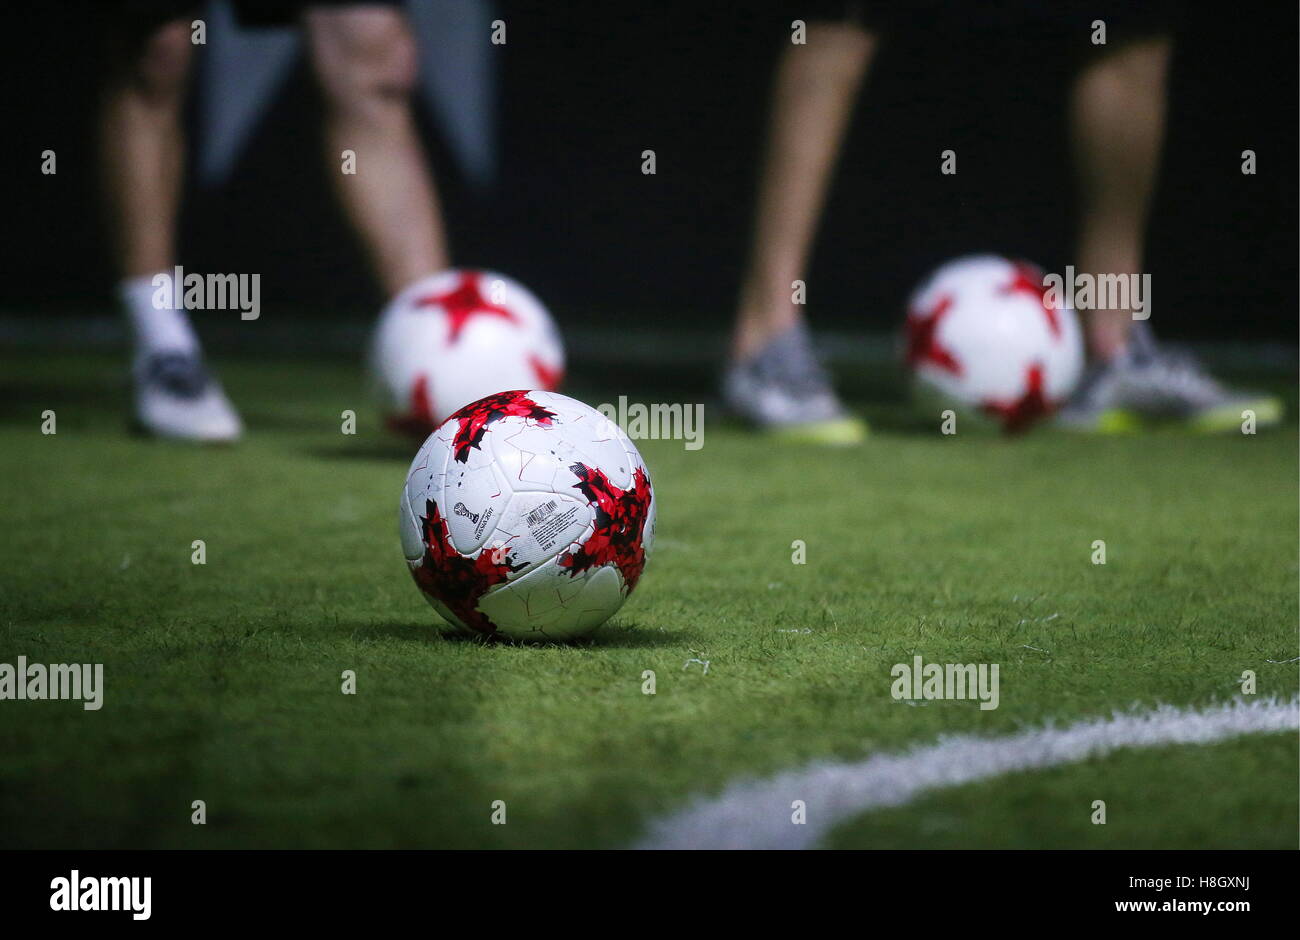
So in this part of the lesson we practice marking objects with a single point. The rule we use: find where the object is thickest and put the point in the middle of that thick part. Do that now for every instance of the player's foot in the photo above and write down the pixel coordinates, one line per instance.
(176, 397)
(1148, 385)
(785, 392)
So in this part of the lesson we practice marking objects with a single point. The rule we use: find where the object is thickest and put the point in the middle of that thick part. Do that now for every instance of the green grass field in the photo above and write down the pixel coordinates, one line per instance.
(223, 680)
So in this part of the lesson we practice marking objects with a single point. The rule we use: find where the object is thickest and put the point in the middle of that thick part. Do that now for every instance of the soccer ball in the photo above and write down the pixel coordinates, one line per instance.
(451, 338)
(982, 335)
(527, 515)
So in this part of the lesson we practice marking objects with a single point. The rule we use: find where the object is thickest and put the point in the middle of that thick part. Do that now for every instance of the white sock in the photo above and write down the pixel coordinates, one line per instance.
(156, 329)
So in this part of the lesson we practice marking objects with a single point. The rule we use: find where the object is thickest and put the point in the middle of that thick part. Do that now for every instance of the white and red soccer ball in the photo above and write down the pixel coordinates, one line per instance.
(453, 337)
(527, 515)
(982, 334)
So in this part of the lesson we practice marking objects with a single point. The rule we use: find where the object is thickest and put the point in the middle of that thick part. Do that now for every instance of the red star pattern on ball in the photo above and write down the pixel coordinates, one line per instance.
(418, 420)
(459, 581)
(1029, 280)
(547, 378)
(1018, 414)
(472, 421)
(922, 346)
(621, 517)
(463, 302)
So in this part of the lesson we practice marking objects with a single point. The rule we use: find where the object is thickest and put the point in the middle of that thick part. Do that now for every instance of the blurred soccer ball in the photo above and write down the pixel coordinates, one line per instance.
(453, 337)
(981, 335)
(527, 515)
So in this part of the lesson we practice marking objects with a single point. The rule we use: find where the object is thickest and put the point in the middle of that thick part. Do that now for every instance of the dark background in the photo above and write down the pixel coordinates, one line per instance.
(585, 88)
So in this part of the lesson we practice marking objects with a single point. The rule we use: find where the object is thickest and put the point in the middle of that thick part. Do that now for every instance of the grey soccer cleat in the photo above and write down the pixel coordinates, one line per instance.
(784, 391)
(1147, 384)
(176, 397)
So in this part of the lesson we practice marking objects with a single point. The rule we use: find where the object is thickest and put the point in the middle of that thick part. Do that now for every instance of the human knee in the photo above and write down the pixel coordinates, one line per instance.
(160, 63)
(363, 55)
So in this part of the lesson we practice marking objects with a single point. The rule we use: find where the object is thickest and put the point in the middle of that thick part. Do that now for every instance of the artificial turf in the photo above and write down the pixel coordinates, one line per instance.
(223, 679)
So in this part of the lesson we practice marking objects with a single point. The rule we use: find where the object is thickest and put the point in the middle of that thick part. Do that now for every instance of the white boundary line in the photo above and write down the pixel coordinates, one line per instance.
(756, 814)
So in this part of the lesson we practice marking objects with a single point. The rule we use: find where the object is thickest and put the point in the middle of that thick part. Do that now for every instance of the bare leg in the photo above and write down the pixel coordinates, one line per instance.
(1118, 119)
(141, 146)
(815, 87)
(365, 59)
(141, 153)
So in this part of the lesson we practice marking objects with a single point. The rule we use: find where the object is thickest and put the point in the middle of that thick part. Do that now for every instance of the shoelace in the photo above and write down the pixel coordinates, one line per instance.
(793, 367)
(179, 374)
(1177, 375)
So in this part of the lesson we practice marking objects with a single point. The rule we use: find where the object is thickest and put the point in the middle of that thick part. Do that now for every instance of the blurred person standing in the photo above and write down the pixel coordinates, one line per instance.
(364, 57)
(1116, 115)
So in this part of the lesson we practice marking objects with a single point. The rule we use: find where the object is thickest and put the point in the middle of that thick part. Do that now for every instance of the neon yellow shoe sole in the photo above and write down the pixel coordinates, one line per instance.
(1118, 421)
(1266, 411)
(837, 432)
(1113, 421)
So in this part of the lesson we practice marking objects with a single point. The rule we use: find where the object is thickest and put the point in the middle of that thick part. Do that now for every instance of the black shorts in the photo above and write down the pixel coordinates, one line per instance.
(1124, 19)
(287, 12)
(142, 14)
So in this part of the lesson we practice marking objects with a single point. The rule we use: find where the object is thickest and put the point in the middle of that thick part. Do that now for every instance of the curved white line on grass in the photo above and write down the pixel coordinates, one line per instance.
(757, 814)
